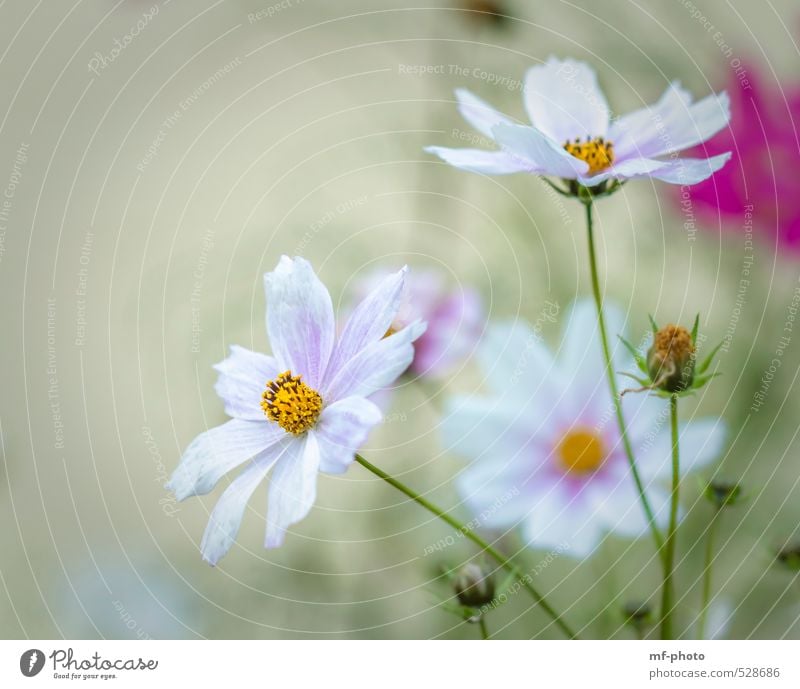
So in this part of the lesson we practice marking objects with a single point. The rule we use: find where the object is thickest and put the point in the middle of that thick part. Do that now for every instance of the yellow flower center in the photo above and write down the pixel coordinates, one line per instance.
(581, 451)
(597, 152)
(289, 402)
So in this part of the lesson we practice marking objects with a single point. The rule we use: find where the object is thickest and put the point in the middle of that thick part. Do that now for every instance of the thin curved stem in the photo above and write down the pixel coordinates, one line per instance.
(708, 562)
(612, 383)
(484, 628)
(669, 544)
(501, 559)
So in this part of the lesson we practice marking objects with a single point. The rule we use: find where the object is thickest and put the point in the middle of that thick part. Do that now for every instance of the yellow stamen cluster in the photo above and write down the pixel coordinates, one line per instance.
(581, 451)
(289, 402)
(597, 152)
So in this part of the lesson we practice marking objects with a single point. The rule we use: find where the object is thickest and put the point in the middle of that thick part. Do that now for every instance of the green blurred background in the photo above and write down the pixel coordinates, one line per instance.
(151, 195)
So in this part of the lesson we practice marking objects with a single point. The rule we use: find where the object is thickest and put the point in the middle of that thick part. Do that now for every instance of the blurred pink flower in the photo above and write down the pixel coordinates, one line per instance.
(455, 318)
(764, 136)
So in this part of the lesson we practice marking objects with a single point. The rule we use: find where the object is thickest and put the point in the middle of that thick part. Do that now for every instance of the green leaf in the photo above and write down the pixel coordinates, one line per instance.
(640, 360)
(644, 382)
(700, 381)
(653, 324)
(703, 367)
(695, 328)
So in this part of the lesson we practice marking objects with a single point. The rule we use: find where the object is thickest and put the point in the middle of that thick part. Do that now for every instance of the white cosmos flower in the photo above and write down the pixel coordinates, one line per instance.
(300, 411)
(544, 444)
(572, 135)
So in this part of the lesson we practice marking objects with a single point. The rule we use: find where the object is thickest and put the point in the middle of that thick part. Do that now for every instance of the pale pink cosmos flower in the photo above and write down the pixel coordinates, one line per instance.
(544, 446)
(571, 134)
(300, 411)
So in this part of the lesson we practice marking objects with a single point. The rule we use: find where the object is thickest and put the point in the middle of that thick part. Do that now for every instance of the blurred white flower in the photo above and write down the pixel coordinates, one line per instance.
(302, 410)
(573, 137)
(545, 447)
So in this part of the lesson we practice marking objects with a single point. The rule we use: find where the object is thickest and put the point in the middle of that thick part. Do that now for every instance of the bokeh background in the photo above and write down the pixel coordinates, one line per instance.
(151, 182)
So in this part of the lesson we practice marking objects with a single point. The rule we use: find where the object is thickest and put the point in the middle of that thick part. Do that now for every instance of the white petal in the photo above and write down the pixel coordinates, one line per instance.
(214, 453)
(292, 488)
(342, 428)
(299, 319)
(513, 359)
(673, 124)
(626, 169)
(700, 442)
(581, 355)
(638, 131)
(489, 430)
(619, 509)
(564, 101)
(226, 518)
(477, 160)
(479, 113)
(369, 322)
(566, 525)
(532, 149)
(685, 171)
(720, 616)
(376, 366)
(242, 379)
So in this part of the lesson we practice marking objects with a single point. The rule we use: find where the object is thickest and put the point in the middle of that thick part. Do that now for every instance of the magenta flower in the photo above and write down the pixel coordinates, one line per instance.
(455, 320)
(302, 410)
(764, 137)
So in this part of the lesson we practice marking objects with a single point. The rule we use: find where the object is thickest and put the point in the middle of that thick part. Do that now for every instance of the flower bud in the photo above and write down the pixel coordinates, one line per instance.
(789, 556)
(671, 359)
(473, 586)
(723, 493)
(637, 613)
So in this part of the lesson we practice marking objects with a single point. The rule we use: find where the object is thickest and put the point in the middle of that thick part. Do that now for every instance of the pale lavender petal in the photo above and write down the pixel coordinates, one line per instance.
(638, 131)
(700, 442)
(479, 113)
(619, 509)
(369, 322)
(214, 453)
(477, 160)
(564, 100)
(454, 329)
(671, 125)
(292, 488)
(342, 429)
(299, 319)
(532, 149)
(226, 518)
(376, 366)
(242, 379)
(626, 169)
(685, 171)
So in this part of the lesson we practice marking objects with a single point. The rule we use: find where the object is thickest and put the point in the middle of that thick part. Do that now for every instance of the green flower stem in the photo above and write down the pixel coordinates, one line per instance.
(484, 628)
(709, 559)
(504, 562)
(669, 544)
(612, 383)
